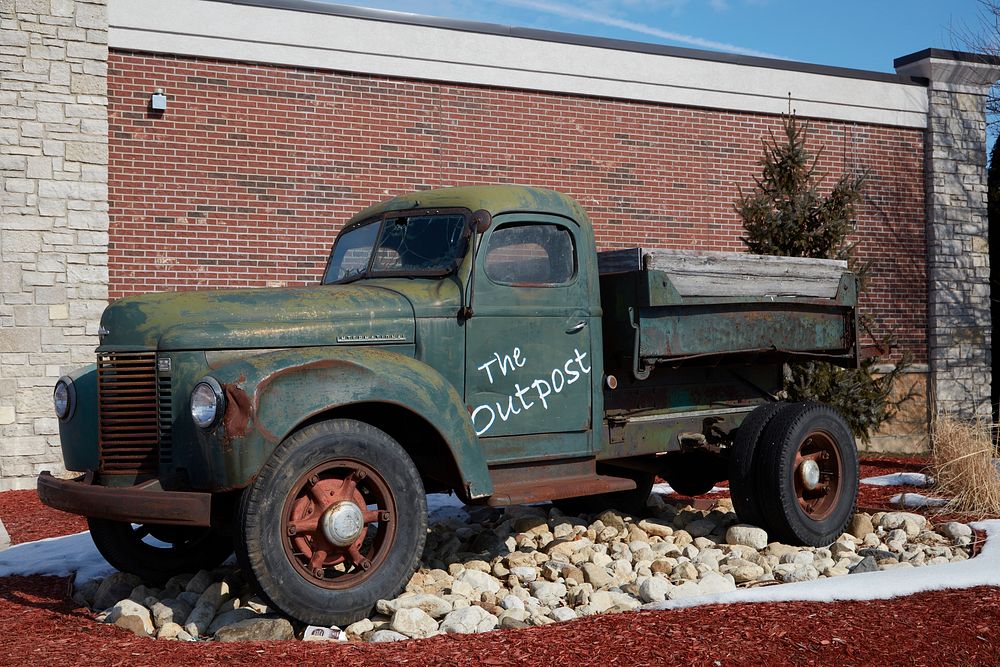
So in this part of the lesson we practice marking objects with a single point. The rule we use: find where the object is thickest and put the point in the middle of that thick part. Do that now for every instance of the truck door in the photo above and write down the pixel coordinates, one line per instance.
(529, 366)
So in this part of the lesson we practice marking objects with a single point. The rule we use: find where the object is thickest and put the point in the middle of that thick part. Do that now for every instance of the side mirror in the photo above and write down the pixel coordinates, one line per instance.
(481, 220)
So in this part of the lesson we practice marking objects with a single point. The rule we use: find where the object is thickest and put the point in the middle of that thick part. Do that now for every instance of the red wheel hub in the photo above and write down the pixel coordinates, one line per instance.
(818, 475)
(338, 523)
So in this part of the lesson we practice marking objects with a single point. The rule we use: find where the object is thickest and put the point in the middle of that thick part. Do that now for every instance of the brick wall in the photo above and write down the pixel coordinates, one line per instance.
(248, 175)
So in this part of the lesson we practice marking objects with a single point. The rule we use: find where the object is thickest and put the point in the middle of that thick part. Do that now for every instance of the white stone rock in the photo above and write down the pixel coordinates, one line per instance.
(894, 520)
(525, 574)
(955, 530)
(562, 614)
(479, 581)
(511, 602)
(549, 593)
(469, 620)
(413, 622)
(654, 589)
(747, 535)
(685, 589)
(713, 582)
(132, 616)
(382, 636)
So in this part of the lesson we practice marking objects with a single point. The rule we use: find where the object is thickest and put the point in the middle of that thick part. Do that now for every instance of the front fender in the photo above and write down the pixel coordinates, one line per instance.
(269, 395)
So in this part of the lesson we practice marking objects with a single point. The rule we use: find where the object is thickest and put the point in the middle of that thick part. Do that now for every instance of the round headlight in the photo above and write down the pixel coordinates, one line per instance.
(62, 398)
(207, 403)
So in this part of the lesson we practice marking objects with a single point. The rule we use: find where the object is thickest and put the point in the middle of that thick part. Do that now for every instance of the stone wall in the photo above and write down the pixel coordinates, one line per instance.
(53, 206)
(959, 325)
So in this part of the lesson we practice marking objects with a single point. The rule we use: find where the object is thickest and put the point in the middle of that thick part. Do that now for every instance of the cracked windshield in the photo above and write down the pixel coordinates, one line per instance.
(412, 245)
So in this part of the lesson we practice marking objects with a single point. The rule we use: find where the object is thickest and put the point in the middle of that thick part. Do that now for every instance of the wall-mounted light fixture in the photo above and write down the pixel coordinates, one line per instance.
(158, 100)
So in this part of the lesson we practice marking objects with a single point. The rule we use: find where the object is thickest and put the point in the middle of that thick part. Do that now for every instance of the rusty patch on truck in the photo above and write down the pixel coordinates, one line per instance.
(236, 421)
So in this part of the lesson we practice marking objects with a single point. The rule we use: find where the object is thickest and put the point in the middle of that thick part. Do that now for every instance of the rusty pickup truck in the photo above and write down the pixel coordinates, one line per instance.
(469, 340)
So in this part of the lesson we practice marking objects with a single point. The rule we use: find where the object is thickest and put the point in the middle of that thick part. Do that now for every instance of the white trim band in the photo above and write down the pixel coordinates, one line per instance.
(288, 37)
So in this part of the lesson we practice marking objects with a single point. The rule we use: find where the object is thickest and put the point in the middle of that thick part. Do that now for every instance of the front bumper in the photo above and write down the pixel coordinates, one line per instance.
(144, 503)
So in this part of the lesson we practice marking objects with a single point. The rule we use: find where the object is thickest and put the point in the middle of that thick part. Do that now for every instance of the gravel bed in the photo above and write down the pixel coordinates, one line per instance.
(526, 566)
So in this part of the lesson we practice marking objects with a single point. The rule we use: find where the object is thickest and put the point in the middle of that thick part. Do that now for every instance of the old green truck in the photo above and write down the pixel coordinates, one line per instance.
(469, 340)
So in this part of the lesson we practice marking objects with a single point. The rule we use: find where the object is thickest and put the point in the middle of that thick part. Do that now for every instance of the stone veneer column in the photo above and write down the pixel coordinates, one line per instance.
(53, 215)
(959, 328)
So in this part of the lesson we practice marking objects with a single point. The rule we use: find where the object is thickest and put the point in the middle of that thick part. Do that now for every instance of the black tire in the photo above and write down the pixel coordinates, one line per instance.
(692, 473)
(742, 487)
(630, 502)
(190, 549)
(791, 512)
(320, 460)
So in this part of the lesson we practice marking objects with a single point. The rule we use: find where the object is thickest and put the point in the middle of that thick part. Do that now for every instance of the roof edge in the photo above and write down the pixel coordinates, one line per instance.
(946, 54)
(347, 11)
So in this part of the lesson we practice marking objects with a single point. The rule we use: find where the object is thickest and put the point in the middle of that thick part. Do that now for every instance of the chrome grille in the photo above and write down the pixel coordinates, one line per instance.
(128, 414)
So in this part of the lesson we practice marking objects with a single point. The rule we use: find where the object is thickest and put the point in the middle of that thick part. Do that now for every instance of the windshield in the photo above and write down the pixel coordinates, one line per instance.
(424, 244)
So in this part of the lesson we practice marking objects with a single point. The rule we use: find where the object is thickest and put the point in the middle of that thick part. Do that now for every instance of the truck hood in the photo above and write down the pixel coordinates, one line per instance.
(258, 318)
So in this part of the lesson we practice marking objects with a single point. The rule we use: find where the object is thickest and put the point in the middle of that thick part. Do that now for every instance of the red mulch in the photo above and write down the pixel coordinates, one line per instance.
(39, 625)
(27, 519)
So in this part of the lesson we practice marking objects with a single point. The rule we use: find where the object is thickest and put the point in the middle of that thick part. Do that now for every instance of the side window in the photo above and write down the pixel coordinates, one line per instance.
(530, 255)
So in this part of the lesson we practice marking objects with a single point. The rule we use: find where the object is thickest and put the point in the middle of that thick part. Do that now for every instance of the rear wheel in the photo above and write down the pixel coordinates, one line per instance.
(807, 475)
(335, 521)
(742, 487)
(154, 552)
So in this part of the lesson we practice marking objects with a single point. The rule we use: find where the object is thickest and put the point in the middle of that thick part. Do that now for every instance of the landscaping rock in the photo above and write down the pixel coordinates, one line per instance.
(229, 618)
(861, 525)
(469, 620)
(866, 564)
(115, 587)
(381, 636)
(479, 580)
(747, 535)
(132, 616)
(414, 623)
(654, 589)
(256, 630)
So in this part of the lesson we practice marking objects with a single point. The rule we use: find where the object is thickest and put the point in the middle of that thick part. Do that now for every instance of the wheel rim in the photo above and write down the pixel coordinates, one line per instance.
(818, 475)
(338, 523)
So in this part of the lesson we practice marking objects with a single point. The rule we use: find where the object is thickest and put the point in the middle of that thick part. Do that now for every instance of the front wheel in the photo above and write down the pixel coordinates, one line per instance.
(806, 469)
(335, 521)
(154, 553)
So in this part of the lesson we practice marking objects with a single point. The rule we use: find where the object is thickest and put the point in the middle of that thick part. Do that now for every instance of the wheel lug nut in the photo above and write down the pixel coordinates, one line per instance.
(318, 573)
(383, 516)
(366, 564)
(362, 474)
(314, 480)
(291, 530)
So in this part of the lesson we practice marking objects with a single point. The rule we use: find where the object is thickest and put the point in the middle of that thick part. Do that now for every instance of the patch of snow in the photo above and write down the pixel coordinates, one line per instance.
(983, 570)
(444, 507)
(665, 489)
(899, 479)
(56, 556)
(916, 500)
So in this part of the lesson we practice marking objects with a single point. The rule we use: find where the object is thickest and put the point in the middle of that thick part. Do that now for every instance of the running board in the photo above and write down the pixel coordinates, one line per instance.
(535, 491)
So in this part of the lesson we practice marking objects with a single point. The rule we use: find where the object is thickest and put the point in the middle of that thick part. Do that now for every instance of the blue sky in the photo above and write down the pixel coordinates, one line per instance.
(847, 33)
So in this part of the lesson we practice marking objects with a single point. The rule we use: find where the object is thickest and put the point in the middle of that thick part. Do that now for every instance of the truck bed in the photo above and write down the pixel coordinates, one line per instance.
(669, 305)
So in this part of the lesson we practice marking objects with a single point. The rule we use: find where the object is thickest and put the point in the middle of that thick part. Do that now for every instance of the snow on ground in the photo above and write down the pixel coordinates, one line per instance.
(665, 489)
(916, 500)
(58, 556)
(898, 479)
(983, 570)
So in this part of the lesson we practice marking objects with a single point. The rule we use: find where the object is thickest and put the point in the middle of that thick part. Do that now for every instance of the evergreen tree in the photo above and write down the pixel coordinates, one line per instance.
(786, 214)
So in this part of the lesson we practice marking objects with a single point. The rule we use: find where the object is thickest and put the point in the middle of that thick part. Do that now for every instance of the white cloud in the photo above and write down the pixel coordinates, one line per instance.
(577, 13)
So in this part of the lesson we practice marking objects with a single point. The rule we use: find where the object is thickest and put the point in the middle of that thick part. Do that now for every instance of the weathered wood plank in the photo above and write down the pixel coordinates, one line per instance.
(728, 274)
